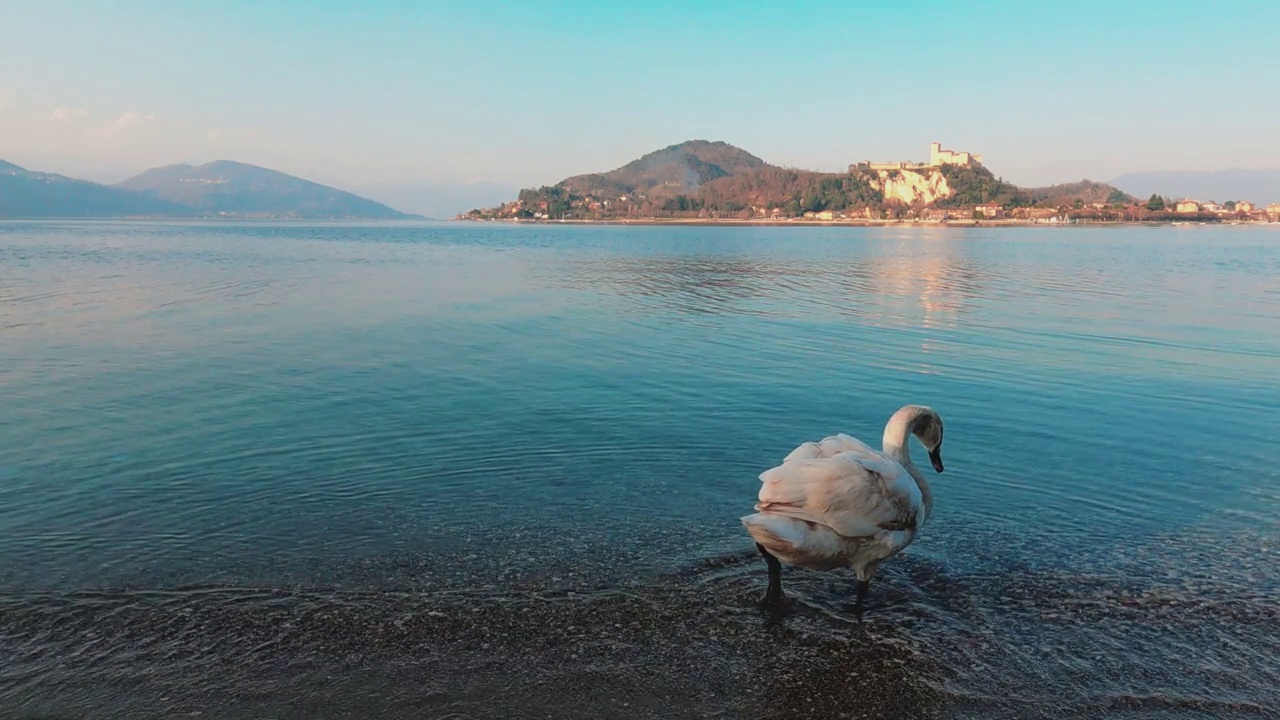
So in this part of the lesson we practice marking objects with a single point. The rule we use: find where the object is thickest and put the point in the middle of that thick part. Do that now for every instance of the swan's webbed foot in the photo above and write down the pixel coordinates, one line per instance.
(773, 597)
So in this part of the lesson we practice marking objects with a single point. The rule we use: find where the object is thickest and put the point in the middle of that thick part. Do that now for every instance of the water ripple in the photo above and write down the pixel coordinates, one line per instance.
(486, 471)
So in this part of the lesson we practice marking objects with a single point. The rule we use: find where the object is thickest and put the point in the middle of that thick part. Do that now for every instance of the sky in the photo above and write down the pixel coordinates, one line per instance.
(405, 100)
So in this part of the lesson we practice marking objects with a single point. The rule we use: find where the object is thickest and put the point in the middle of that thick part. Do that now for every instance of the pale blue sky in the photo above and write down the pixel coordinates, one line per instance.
(379, 93)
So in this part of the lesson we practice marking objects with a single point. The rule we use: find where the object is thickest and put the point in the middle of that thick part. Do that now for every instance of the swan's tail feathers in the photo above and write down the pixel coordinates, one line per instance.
(796, 541)
(779, 535)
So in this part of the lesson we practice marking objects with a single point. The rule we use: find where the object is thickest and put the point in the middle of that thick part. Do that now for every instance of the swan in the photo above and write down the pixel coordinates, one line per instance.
(839, 503)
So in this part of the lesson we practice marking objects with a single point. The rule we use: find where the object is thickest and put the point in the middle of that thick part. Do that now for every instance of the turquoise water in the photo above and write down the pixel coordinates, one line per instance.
(235, 454)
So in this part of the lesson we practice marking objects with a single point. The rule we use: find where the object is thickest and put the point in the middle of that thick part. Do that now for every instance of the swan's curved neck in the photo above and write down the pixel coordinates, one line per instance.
(896, 434)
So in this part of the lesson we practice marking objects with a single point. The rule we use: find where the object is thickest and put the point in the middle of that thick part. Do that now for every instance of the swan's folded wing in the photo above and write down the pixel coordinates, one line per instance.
(829, 446)
(856, 494)
(805, 451)
(841, 443)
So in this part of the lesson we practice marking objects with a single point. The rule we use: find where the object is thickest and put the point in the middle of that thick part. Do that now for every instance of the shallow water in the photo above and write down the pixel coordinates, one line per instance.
(282, 470)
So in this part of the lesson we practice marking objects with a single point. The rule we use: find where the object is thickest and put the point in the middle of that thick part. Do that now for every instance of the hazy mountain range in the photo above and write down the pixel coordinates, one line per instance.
(231, 189)
(1258, 186)
(216, 189)
(24, 193)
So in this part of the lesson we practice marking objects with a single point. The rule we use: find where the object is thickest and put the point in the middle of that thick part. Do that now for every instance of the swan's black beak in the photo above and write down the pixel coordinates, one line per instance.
(935, 457)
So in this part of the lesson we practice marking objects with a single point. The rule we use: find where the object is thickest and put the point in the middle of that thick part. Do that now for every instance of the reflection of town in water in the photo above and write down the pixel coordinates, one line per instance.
(918, 280)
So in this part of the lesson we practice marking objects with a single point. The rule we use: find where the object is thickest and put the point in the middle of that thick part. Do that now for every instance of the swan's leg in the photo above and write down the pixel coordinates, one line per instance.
(863, 586)
(772, 596)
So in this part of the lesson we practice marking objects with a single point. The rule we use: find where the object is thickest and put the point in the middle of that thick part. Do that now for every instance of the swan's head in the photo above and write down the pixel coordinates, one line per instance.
(927, 427)
(921, 421)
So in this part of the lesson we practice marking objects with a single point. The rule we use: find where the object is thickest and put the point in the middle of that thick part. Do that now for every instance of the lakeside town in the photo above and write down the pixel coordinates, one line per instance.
(700, 182)
(1185, 211)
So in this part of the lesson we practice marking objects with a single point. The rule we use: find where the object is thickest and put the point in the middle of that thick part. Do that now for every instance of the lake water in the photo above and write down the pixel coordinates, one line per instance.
(278, 470)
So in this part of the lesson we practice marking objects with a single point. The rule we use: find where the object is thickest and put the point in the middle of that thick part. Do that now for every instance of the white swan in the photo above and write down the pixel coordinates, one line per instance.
(838, 503)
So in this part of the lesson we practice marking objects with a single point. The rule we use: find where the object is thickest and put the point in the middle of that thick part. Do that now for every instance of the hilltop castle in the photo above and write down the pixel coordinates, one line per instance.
(937, 158)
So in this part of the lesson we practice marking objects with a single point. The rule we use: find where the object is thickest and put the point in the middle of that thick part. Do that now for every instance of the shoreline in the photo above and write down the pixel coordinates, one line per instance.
(704, 222)
(726, 222)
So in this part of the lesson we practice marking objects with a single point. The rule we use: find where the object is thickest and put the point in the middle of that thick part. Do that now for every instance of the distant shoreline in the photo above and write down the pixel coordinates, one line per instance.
(193, 218)
(655, 222)
(726, 222)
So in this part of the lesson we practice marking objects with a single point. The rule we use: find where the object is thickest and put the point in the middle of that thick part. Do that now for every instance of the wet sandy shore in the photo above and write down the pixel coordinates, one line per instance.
(692, 644)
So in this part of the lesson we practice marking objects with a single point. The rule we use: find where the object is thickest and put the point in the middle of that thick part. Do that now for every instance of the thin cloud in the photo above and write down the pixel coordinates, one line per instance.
(126, 122)
(64, 114)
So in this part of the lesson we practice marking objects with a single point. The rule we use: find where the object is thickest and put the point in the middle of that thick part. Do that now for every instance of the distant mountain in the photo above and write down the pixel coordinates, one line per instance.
(1258, 186)
(29, 194)
(227, 188)
(221, 188)
(674, 170)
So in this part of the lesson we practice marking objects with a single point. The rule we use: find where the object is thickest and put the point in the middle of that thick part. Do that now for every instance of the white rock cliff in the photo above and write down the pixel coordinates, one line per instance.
(912, 186)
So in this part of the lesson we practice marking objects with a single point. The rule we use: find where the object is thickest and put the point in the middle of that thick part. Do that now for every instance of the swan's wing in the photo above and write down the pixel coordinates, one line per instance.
(829, 446)
(857, 494)
(805, 451)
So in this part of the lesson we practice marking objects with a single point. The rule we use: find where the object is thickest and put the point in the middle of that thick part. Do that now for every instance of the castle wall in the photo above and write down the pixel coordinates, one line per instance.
(938, 156)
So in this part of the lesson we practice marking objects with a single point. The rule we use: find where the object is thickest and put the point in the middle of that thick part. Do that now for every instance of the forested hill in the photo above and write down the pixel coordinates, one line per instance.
(674, 170)
(701, 178)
